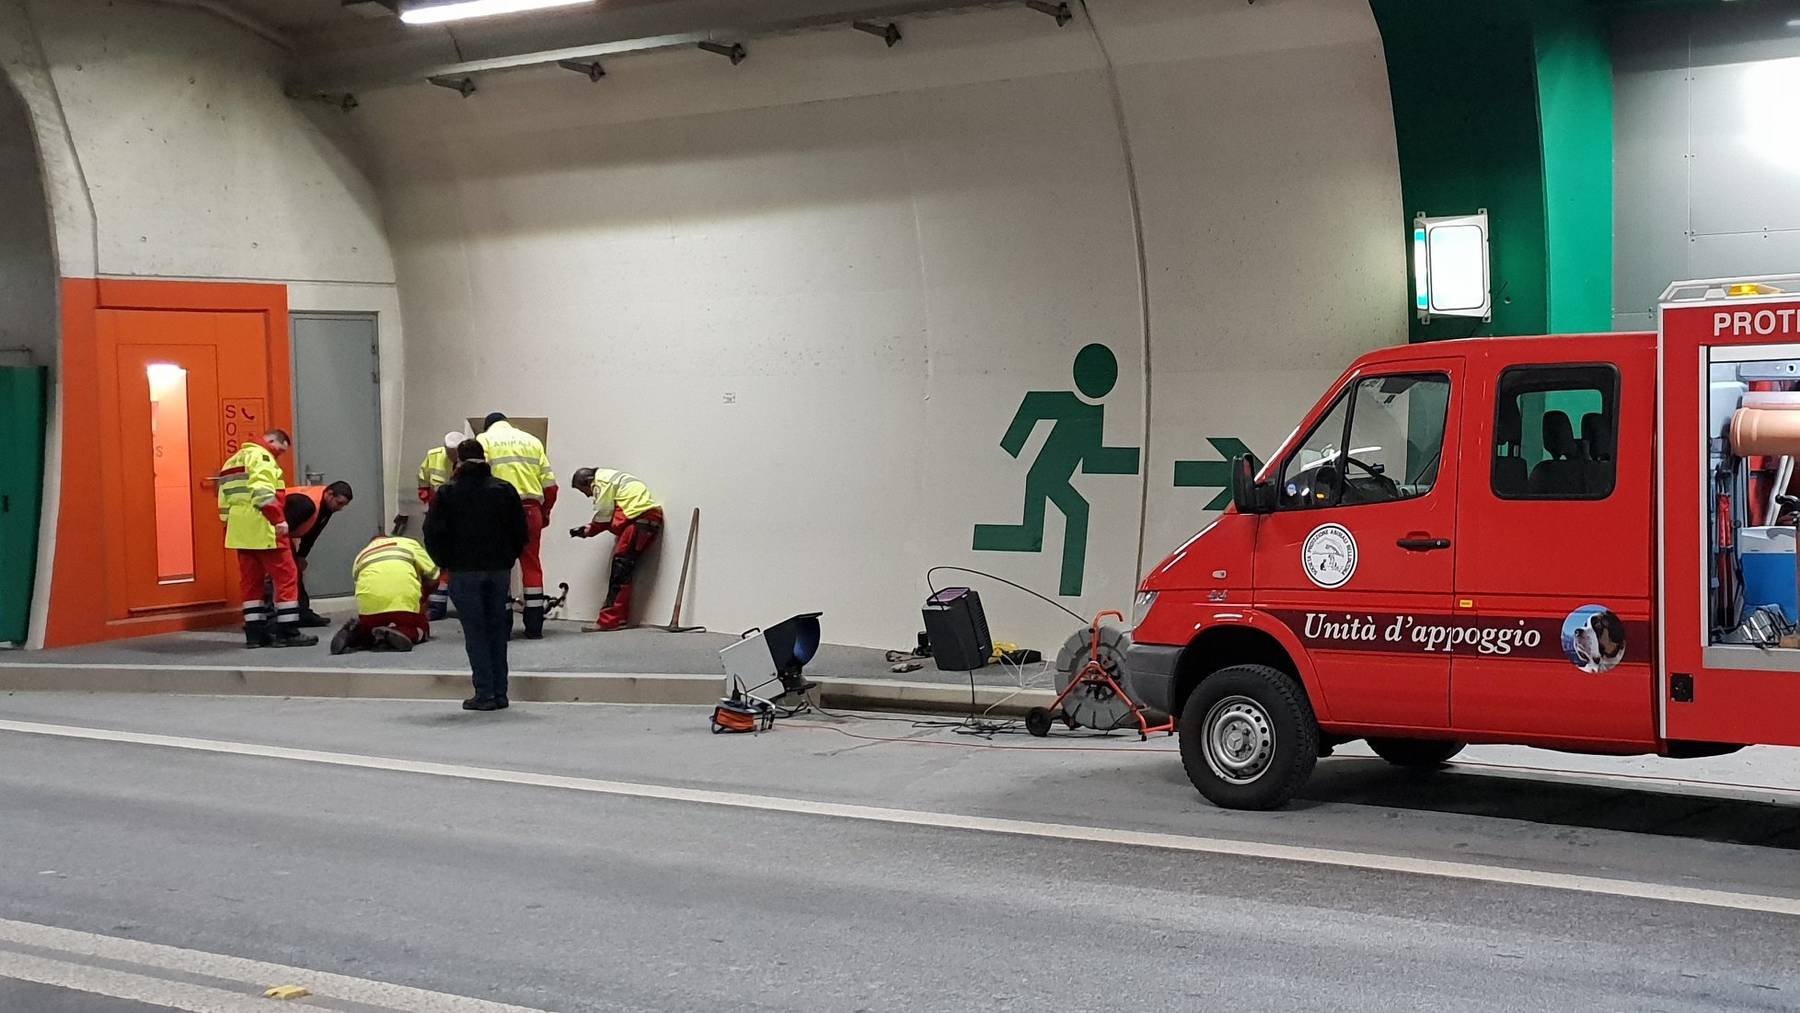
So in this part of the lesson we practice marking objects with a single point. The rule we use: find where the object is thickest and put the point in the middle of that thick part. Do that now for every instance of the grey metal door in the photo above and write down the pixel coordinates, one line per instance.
(337, 435)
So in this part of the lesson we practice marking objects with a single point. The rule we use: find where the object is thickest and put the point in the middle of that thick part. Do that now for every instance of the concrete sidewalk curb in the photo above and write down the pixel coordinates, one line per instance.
(526, 687)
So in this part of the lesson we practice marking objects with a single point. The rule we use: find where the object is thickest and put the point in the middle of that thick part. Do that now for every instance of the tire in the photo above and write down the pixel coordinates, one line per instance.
(1248, 737)
(1416, 752)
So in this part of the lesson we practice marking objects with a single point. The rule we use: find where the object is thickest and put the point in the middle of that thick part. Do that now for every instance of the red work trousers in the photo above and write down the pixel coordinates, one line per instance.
(277, 567)
(531, 564)
(412, 624)
(635, 536)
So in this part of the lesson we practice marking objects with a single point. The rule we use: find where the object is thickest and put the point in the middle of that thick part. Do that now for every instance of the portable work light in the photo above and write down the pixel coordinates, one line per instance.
(776, 653)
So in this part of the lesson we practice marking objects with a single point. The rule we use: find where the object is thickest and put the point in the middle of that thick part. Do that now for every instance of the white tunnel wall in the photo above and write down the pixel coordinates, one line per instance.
(807, 294)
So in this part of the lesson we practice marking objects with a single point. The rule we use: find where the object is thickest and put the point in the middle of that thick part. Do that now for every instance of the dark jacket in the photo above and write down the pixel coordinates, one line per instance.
(476, 523)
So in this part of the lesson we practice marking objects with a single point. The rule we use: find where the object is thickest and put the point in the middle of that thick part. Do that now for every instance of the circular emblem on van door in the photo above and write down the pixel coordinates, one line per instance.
(1329, 555)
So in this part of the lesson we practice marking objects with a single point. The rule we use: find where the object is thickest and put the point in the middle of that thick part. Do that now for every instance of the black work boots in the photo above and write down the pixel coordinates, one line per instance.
(258, 635)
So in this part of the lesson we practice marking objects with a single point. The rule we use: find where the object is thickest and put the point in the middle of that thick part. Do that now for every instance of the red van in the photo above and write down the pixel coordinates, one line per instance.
(1545, 541)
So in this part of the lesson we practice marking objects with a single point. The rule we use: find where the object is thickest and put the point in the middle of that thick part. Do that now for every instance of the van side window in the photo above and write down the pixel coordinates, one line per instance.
(1382, 441)
(1556, 432)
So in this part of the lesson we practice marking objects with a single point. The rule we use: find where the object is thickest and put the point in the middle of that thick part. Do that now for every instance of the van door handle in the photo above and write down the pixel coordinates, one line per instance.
(1423, 544)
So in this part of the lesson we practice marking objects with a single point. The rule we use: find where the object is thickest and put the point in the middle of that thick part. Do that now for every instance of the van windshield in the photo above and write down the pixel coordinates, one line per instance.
(1394, 429)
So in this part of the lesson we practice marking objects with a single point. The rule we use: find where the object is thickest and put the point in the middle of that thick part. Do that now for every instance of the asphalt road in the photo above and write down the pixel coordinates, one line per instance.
(577, 897)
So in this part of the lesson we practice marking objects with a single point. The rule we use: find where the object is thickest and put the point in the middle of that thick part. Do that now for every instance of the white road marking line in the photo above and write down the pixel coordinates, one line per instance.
(1506, 875)
(256, 974)
(179, 995)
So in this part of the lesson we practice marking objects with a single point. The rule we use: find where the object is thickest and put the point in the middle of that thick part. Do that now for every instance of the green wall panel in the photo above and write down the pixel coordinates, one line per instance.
(22, 390)
(1507, 106)
(1575, 102)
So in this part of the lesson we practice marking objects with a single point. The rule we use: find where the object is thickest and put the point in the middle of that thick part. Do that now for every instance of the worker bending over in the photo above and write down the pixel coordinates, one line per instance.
(434, 472)
(391, 573)
(518, 459)
(623, 506)
(250, 487)
(307, 510)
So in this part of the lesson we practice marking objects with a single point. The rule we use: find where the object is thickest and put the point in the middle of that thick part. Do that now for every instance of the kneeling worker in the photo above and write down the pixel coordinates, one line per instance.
(392, 573)
(623, 506)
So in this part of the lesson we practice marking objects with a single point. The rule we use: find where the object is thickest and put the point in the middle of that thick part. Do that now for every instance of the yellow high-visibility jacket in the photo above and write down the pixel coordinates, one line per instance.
(390, 572)
(518, 459)
(249, 484)
(434, 470)
(613, 488)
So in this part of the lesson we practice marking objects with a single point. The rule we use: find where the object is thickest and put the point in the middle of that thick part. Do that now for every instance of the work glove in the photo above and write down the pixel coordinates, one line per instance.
(577, 532)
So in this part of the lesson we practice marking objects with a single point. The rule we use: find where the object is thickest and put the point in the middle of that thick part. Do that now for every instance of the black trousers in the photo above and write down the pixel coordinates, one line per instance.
(480, 598)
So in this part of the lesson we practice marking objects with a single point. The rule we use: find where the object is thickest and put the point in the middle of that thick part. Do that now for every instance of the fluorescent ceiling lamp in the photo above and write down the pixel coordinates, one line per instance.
(465, 9)
(1450, 267)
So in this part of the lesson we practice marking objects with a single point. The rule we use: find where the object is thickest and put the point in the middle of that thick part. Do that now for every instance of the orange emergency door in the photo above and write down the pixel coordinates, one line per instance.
(190, 387)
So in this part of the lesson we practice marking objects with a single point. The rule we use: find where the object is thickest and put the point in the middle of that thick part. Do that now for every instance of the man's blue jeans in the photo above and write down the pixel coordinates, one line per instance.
(480, 599)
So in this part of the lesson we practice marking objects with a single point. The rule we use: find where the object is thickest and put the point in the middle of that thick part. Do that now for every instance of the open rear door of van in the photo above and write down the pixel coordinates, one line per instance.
(1728, 357)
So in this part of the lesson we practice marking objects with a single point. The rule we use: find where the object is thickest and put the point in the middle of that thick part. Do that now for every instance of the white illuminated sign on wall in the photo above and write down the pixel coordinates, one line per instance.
(1450, 267)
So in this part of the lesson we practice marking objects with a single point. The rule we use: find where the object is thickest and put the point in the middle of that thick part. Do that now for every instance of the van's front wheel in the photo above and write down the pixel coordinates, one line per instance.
(1248, 737)
(1415, 752)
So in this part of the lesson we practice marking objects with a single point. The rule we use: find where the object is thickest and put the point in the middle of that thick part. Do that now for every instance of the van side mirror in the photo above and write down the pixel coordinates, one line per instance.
(1247, 494)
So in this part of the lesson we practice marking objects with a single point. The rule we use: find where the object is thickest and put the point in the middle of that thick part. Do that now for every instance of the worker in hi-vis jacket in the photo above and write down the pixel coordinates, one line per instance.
(250, 504)
(517, 458)
(623, 506)
(391, 574)
(435, 472)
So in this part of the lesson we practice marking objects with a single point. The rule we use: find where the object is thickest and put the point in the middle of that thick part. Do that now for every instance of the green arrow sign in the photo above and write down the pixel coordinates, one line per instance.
(1212, 474)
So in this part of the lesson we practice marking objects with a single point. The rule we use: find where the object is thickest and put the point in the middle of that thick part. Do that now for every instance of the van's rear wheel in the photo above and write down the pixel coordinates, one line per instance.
(1248, 737)
(1416, 752)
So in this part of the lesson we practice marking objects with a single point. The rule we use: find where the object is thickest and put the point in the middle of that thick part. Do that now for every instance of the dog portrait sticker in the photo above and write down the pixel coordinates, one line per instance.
(1329, 555)
(1593, 639)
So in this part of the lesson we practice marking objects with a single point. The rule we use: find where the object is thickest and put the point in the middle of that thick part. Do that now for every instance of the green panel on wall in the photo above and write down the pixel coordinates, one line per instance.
(1575, 101)
(22, 390)
(1508, 106)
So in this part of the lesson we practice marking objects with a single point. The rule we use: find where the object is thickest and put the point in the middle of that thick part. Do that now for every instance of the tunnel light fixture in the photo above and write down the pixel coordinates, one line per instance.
(1059, 11)
(591, 69)
(462, 10)
(1450, 267)
(733, 51)
(463, 86)
(888, 32)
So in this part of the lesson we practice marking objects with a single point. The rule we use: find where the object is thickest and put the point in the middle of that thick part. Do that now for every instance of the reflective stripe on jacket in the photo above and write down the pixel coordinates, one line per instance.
(627, 492)
(249, 484)
(389, 573)
(518, 459)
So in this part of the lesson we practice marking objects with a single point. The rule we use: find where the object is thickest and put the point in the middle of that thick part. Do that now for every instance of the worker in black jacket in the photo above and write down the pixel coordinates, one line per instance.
(308, 509)
(476, 530)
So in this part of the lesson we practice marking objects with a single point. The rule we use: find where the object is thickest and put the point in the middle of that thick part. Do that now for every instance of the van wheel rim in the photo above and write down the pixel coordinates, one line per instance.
(1240, 739)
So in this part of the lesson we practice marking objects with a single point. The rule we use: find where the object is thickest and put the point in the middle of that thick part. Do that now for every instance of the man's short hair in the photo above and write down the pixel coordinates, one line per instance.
(340, 489)
(471, 450)
(282, 435)
(493, 417)
(582, 475)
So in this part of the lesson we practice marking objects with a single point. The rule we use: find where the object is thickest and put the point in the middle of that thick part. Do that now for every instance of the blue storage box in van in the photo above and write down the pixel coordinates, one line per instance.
(1767, 555)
